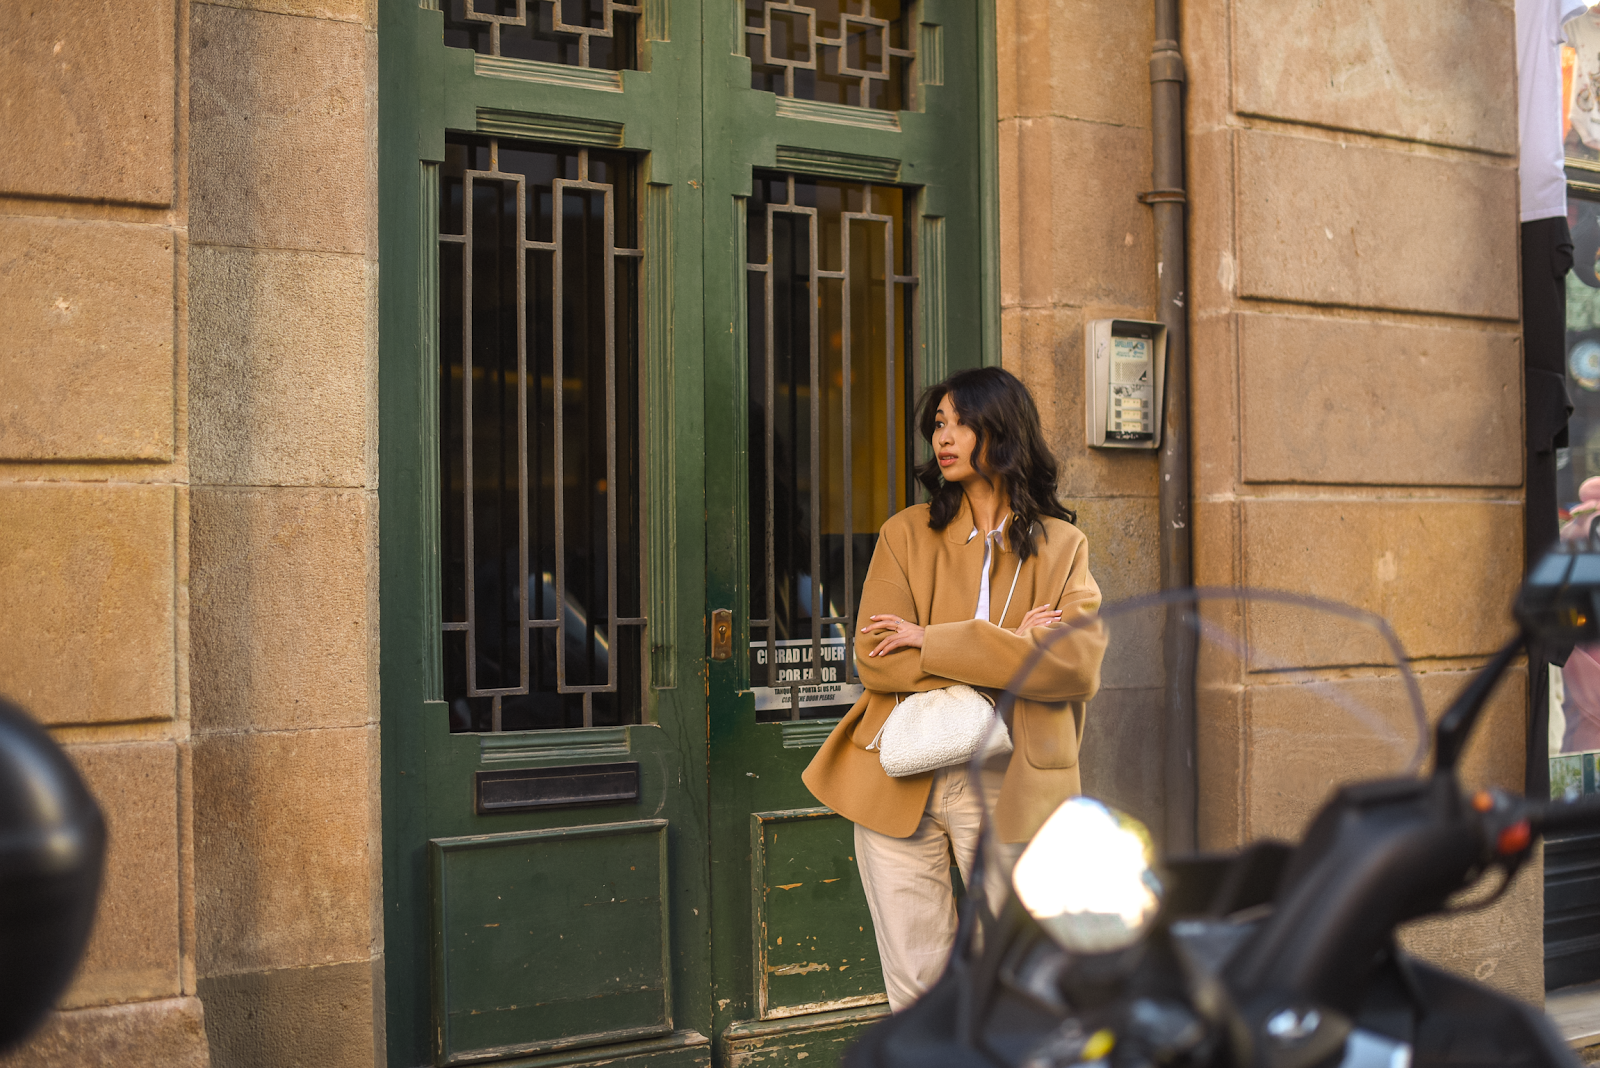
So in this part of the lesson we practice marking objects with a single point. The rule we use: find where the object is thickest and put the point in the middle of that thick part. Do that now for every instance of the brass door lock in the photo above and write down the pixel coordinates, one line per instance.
(722, 634)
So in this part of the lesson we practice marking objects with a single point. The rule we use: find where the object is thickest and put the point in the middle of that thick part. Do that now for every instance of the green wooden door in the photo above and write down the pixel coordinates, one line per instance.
(848, 263)
(542, 533)
(595, 842)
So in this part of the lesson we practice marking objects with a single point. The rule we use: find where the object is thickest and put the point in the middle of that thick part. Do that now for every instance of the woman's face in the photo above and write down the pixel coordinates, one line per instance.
(953, 444)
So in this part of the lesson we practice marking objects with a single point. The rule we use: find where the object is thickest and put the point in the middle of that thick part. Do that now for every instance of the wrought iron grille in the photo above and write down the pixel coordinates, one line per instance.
(601, 34)
(831, 292)
(855, 52)
(539, 394)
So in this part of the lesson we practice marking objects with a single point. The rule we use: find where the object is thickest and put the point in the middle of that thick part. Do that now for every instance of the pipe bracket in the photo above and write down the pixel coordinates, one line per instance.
(1164, 196)
(1166, 64)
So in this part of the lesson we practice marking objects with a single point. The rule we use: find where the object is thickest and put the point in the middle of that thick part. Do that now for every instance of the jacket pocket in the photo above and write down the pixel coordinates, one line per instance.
(875, 708)
(1049, 736)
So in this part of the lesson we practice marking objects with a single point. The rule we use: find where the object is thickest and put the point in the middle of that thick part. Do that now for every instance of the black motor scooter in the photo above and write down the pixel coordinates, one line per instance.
(1275, 955)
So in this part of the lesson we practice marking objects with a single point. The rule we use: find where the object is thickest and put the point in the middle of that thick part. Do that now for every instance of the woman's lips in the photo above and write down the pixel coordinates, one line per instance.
(946, 459)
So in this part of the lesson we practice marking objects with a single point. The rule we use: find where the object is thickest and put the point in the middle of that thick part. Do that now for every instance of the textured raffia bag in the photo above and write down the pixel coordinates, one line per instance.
(938, 728)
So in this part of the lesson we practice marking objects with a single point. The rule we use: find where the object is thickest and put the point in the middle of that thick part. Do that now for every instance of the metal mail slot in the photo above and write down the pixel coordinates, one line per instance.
(521, 789)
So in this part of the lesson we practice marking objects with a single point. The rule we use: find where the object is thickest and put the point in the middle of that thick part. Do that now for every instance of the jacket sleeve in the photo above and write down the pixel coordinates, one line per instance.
(887, 591)
(979, 653)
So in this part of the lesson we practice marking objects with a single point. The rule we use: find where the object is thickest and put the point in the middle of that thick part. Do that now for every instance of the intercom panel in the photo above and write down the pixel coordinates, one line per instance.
(1124, 374)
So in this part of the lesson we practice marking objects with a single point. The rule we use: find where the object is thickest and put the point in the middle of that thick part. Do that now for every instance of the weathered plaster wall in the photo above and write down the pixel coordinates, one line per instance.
(1356, 368)
(188, 509)
(1076, 244)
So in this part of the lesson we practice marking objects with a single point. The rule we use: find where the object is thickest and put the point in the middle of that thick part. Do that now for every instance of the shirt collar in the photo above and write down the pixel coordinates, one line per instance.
(993, 533)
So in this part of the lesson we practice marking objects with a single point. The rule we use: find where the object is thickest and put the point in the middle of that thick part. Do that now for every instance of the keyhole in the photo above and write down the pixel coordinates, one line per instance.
(721, 634)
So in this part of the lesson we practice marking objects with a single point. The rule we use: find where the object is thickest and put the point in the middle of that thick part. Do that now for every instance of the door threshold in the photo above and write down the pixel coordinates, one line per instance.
(820, 1038)
(690, 1048)
(822, 1035)
(810, 1022)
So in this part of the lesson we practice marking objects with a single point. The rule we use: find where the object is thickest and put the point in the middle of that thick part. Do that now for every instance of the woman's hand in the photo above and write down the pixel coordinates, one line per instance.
(906, 635)
(1042, 616)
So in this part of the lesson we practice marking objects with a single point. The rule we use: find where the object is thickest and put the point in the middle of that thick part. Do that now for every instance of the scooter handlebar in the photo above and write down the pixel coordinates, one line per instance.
(1558, 816)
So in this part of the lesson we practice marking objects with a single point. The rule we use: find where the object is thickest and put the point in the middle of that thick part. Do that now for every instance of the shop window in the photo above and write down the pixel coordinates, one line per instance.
(831, 315)
(853, 52)
(1580, 77)
(539, 419)
(1572, 862)
(600, 34)
(1575, 713)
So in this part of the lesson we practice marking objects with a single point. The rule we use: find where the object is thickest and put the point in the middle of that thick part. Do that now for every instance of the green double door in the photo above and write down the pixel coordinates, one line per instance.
(660, 284)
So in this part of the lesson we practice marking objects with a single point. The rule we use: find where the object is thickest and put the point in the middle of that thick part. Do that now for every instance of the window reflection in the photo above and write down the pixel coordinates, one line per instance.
(1580, 78)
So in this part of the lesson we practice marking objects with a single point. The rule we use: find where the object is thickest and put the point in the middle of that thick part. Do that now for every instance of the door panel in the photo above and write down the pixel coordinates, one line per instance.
(835, 236)
(600, 890)
(815, 950)
(542, 521)
(549, 939)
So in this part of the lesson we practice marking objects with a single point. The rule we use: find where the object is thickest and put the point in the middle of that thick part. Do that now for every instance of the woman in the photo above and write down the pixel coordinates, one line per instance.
(963, 589)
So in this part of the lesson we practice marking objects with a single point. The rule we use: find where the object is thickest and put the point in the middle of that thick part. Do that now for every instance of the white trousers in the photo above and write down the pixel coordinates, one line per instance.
(907, 880)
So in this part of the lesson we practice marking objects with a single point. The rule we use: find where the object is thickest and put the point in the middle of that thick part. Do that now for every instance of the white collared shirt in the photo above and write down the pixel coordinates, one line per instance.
(990, 547)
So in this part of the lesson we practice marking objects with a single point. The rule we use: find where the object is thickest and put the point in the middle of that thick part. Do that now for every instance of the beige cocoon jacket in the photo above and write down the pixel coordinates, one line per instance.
(931, 578)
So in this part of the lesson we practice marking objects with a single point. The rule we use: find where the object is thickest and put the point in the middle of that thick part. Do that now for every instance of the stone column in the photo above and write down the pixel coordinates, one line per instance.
(1076, 244)
(283, 407)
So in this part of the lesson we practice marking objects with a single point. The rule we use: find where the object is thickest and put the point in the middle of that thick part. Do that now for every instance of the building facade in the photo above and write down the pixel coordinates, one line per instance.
(394, 397)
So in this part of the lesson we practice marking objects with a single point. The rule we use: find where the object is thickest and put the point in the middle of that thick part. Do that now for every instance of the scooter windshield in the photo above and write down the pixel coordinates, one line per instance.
(1288, 698)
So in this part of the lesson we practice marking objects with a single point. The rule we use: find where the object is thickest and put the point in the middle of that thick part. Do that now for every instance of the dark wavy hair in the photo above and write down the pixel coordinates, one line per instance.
(1010, 449)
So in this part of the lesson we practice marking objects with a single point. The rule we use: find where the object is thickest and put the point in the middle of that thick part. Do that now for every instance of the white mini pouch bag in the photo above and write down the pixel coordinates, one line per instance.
(937, 728)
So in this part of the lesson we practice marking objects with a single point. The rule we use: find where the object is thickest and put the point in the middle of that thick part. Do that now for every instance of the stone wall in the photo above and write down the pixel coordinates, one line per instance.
(188, 510)
(94, 500)
(1356, 368)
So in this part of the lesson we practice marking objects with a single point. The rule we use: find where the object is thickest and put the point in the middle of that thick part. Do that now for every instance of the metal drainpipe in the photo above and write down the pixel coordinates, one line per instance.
(1167, 200)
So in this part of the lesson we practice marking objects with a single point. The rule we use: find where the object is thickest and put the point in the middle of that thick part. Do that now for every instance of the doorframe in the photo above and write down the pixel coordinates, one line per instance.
(414, 114)
(426, 90)
(989, 178)
(818, 1034)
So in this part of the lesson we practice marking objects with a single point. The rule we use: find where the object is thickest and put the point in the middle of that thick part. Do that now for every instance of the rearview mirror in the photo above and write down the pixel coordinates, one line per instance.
(52, 849)
(1558, 602)
(1088, 878)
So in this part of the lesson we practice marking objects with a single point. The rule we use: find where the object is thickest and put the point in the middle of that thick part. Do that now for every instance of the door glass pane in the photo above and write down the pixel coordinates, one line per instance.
(855, 52)
(831, 295)
(600, 34)
(539, 420)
